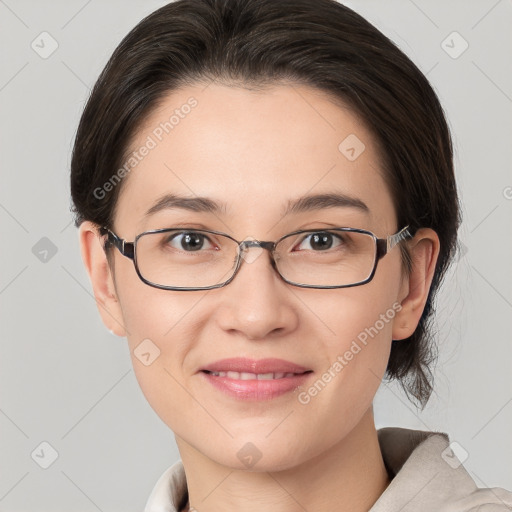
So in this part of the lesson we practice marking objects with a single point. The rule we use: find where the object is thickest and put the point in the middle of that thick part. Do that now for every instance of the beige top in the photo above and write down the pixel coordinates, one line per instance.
(426, 477)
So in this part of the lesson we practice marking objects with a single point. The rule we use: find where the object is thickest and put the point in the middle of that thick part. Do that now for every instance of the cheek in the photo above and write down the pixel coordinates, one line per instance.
(149, 312)
(361, 315)
(159, 333)
(359, 349)
(354, 362)
(357, 325)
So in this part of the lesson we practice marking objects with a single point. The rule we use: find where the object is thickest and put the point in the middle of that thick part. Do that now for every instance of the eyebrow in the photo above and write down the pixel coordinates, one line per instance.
(312, 202)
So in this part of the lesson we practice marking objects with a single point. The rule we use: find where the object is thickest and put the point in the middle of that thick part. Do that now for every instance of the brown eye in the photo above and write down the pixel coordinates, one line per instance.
(320, 241)
(188, 241)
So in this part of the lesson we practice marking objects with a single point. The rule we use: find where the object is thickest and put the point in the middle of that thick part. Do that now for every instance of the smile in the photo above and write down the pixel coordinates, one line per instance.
(255, 379)
(253, 376)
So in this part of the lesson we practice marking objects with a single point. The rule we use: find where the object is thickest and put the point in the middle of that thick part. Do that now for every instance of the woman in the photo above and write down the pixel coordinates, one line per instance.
(267, 206)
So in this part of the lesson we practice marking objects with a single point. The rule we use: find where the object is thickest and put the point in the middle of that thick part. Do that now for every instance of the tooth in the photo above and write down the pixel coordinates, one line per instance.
(247, 376)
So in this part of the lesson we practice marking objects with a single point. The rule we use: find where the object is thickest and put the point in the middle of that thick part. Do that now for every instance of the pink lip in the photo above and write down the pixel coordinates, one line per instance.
(254, 389)
(240, 364)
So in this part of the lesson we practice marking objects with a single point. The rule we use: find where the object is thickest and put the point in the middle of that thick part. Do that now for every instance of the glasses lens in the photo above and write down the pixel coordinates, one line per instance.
(186, 258)
(201, 259)
(326, 258)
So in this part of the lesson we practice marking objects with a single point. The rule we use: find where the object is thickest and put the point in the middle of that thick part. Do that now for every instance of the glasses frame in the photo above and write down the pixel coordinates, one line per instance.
(129, 250)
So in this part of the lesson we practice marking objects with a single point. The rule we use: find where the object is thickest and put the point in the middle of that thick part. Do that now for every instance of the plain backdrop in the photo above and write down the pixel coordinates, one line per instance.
(65, 381)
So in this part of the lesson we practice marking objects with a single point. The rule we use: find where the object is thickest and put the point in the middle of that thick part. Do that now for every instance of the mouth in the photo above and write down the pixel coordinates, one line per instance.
(277, 368)
(255, 376)
(255, 380)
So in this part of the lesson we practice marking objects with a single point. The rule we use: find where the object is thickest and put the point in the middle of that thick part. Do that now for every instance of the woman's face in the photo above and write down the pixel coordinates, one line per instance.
(255, 152)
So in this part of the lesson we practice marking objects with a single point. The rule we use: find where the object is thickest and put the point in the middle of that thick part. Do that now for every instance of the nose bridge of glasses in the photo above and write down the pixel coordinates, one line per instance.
(250, 257)
(246, 244)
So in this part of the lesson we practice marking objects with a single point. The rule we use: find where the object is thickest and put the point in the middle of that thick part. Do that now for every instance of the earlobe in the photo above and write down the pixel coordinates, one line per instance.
(424, 249)
(96, 264)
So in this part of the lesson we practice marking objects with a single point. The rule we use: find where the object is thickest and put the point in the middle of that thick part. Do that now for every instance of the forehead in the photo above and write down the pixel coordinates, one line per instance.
(252, 152)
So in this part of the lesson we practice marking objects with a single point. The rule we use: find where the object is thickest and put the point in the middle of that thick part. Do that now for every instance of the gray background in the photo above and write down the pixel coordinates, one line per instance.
(65, 380)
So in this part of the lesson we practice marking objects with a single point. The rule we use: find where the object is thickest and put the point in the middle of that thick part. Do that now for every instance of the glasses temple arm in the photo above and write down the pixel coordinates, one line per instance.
(403, 234)
(384, 245)
(125, 248)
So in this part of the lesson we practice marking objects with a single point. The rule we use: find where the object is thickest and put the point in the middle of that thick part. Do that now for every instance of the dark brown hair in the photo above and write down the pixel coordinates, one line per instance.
(257, 43)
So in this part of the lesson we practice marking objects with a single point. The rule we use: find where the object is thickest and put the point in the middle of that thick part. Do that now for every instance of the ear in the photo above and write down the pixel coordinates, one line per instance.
(96, 264)
(424, 249)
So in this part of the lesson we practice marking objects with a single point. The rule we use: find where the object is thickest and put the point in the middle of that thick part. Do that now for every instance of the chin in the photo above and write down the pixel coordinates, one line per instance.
(259, 454)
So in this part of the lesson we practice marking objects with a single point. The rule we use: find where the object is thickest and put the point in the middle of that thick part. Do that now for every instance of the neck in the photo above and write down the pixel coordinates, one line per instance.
(350, 476)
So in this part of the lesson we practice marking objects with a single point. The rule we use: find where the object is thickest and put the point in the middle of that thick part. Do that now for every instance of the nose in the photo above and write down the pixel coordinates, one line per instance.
(257, 303)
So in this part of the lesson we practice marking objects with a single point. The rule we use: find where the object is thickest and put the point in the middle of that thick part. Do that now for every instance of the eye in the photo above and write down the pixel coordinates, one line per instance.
(320, 241)
(188, 241)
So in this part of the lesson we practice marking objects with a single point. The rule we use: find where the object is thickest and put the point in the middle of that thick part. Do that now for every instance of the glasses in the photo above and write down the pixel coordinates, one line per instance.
(197, 259)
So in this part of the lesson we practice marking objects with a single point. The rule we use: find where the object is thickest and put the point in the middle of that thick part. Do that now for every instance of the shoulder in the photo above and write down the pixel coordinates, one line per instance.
(427, 475)
(170, 492)
(491, 499)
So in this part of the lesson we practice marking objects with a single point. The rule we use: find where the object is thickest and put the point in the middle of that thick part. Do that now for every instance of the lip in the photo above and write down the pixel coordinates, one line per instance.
(241, 364)
(250, 387)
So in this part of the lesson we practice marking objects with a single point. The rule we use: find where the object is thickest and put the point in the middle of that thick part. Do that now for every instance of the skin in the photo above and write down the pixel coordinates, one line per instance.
(255, 151)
